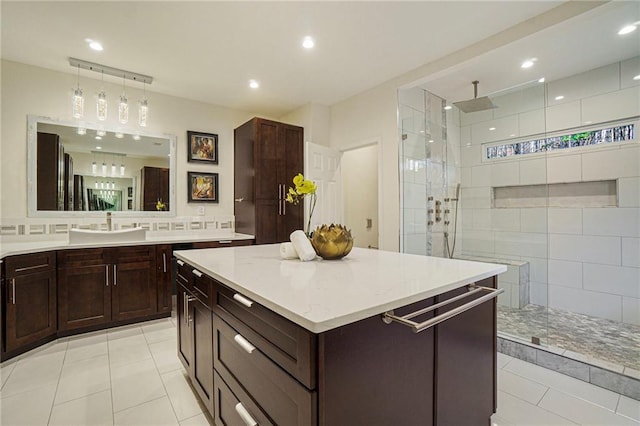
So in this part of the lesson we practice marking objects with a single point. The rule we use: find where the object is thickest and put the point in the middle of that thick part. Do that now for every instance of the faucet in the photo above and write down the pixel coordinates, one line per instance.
(108, 221)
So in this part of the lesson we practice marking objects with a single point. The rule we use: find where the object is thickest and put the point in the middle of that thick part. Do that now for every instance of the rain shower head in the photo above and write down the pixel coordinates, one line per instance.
(476, 104)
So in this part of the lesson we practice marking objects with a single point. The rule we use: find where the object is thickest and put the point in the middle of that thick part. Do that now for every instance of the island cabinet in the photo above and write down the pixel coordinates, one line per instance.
(163, 277)
(29, 295)
(195, 347)
(104, 285)
(438, 368)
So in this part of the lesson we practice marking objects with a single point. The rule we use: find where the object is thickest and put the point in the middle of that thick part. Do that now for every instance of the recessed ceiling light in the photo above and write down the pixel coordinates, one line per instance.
(308, 42)
(100, 132)
(528, 63)
(136, 137)
(98, 137)
(448, 107)
(627, 29)
(119, 135)
(430, 140)
(492, 128)
(81, 131)
(559, 98)
(254, 84)
(95, 45)
(98, 147)
(541, 80)
(637, 77)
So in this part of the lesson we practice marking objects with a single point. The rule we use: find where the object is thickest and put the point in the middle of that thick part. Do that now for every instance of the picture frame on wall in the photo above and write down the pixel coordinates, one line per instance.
(202, 147)
(202, 187)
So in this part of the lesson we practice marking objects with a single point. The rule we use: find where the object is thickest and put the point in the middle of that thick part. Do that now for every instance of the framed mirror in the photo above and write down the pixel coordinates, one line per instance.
(83, 169)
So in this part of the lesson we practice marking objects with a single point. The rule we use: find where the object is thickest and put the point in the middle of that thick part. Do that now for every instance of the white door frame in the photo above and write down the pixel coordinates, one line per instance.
(375, 140)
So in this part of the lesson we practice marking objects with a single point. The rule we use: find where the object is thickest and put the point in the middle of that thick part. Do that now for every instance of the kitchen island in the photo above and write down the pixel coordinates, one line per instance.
(272, 341)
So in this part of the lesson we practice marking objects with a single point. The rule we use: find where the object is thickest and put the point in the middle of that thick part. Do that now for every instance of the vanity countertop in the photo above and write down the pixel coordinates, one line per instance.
(324, 294)
(26, 245)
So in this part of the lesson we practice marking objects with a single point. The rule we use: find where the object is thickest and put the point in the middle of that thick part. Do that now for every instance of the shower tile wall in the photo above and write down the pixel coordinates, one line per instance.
(582, 259)
(430, 158)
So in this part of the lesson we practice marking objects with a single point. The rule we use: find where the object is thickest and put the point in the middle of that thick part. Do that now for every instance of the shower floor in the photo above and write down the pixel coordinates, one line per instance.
(588, 337)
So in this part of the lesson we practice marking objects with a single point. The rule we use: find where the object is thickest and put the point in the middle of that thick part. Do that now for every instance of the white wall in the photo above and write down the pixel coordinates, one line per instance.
(315, 120)
(31, 90)
(360, 194)
(583, 259)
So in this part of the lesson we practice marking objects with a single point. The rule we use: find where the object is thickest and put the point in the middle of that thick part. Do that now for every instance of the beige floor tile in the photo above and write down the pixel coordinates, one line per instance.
(157, 412)
(182, 396)
(91, 410)
(29, 408)
(135, 383)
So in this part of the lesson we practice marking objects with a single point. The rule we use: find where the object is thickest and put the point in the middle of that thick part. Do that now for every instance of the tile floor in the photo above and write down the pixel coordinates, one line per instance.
(132, 376)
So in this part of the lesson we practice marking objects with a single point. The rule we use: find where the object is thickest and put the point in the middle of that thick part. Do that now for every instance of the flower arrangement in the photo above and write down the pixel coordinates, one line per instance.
(303, 188)
(160, 205)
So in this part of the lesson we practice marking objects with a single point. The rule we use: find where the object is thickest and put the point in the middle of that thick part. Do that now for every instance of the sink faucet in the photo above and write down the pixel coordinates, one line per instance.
(108, 221)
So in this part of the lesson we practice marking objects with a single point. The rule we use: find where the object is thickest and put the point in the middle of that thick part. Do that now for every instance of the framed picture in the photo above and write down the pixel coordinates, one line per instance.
(203, 187)
(130, 204)
(130, 191)
(202, 147)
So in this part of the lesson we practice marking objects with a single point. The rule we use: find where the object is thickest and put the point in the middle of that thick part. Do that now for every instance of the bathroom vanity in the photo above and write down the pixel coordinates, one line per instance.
(375, 338)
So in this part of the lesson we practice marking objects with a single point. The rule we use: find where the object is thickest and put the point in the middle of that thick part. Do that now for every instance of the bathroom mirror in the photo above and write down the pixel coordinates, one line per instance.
(84, 169)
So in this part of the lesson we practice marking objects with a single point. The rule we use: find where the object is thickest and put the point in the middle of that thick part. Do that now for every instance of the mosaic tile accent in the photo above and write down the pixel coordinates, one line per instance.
(599, 338)
(553, 143)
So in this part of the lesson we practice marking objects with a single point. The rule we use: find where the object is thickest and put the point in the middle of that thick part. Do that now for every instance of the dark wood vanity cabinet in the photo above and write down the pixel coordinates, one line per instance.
(163, 277)
(154, 183)
(195, 345)
(98, 286)
(268, 154)
(29, 308)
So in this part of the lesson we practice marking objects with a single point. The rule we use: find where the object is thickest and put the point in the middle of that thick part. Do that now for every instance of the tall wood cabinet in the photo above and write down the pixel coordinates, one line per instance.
(268, 154)
(50, 172)
(155, 186)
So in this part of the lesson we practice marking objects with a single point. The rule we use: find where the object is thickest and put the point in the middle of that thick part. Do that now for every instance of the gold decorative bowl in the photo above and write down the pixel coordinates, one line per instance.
(332, 241)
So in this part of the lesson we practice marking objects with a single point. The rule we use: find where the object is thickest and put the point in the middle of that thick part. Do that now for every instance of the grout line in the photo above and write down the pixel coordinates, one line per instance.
(542, 397)
(53, 401)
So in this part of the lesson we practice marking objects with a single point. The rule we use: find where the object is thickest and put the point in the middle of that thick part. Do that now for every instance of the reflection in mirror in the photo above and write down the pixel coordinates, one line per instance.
(76, 169)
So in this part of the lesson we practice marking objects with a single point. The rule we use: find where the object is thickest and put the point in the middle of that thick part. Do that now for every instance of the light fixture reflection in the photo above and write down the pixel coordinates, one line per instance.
(136, 137)
(122, 169)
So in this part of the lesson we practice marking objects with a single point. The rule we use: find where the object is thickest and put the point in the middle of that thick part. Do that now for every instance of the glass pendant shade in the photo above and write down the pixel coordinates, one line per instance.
(123, 110)
(94, 168)
(104, 169)
(77, 103)
(96, 184)
(121, 169)
(113, 169)
(101, 106)
(142, 113)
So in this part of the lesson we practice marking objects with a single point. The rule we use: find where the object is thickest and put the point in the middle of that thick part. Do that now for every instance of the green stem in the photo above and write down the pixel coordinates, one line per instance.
(313, 206)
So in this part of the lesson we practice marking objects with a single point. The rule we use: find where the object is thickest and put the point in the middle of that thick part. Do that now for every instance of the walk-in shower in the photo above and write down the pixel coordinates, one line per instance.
(549, 187)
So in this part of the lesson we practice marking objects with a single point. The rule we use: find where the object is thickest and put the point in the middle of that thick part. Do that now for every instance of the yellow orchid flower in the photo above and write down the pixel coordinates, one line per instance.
(302, 187)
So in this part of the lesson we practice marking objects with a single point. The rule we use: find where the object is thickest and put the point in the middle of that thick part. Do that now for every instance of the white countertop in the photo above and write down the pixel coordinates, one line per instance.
(26, 245)
(324, 294)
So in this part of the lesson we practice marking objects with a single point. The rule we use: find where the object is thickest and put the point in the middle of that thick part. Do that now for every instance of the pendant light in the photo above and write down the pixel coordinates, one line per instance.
(104, 168)
(101, 104)
(123, 106)
(77, 105)
(122, 169)
(144, 108)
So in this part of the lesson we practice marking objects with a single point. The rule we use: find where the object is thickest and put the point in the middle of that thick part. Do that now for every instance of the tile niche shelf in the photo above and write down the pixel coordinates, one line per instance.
(602, 193)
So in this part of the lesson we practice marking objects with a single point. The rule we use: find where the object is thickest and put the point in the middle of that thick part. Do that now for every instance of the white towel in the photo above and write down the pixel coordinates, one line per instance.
(287, 251)
(302, 245)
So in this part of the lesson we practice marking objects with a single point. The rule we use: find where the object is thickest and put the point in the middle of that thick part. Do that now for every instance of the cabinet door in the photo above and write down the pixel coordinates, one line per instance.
(133, 294)
(30, 308)
(185, 336)
(267, 217)
(269, 159)
(292, 215)
(163, 277)
(84, 296)
(203, 353)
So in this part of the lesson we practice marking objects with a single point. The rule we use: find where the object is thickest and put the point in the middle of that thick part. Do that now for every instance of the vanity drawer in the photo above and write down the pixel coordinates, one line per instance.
(290, 346)
(280, 396)
(82, 257)
(226, 408)
(221, 243)
(24, 264)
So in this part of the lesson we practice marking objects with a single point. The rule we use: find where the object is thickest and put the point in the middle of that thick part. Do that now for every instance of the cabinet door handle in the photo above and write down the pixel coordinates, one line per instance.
(115, 275)
(13, 290)
(180, 262)
(197, 273)
(244, 343)
(224, 242)
(164, 262)
(279, 199)
(240, 298)
(184, 307)
(106, 271)
(244, 415)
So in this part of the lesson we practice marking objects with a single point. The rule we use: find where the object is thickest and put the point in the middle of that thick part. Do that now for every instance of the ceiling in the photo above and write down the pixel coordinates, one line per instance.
(208, 50)
(582, 43)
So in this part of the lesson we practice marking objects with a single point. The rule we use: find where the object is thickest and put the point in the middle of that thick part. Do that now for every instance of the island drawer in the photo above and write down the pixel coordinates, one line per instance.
(184, 275)
(287, 344)
(202, 287)
(281, 397)
(222, 243)
(226, 409)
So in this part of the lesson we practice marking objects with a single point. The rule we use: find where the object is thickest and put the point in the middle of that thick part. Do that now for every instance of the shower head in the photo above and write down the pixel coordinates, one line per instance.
(476, 104)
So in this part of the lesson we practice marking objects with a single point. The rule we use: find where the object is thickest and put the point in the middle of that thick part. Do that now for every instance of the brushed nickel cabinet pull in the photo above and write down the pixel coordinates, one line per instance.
(197, 273)
(240, 298)
(106, 271)
(115, 275)
(180, 262)
(13, 291)
(244, 343)
(244, 415)
(164, 262)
